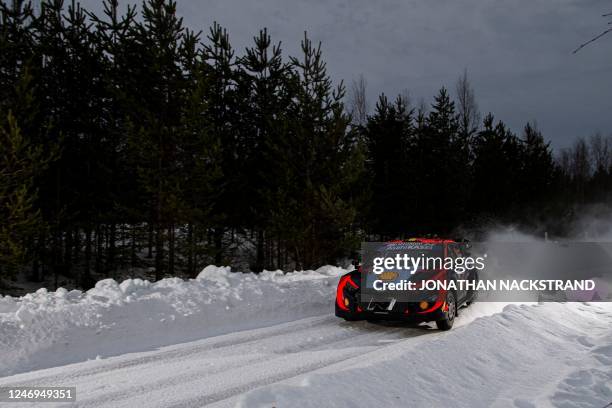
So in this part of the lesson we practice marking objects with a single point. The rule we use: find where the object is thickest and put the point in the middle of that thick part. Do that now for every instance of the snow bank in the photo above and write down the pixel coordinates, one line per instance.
(527, 356)
(46, 329)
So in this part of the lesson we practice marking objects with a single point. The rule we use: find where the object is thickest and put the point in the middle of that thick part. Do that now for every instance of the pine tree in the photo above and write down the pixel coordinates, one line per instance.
(70, 92)
(496, 166)
(320, 165)
(200, 150)
(388, 137)
(16, 46)
(20, 219)
(441, 168)
(155, 135)
(114, 35)
(538, 172)
(266, 80)
(601, 154)
(224, 121)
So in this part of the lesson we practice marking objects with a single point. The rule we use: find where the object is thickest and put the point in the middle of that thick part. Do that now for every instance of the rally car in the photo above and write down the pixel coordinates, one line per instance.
(440, 306)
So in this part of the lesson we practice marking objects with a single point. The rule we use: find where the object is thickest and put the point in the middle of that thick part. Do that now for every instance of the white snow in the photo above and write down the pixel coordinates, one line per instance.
(528, 356)
(242, 340)
(46, 329)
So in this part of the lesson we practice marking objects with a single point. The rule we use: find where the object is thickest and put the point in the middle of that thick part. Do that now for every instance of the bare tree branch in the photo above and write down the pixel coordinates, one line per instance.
(596, 37)
(358, 103)
(469, 116)
(592, 40)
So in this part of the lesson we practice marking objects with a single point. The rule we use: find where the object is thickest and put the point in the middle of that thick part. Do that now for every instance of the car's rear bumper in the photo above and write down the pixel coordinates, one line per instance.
(410, 312)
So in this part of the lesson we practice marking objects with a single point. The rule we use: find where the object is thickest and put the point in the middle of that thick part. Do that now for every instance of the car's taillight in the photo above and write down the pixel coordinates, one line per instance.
(341, 300)
(440, 302)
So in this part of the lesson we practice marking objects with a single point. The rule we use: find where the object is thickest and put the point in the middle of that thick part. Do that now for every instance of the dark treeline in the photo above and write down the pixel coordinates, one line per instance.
(130, 141)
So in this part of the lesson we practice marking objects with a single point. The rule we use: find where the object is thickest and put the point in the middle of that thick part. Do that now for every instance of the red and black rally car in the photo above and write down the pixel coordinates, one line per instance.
(440, 306)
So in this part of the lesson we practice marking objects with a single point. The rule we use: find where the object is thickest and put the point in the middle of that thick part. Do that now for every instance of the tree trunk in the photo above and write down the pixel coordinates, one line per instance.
(35, 273)
(98, 266)
(279, 261)
(111, 251)
(190, 251)
(261, 258)
(36, 264)
(87, 267)
(68, 253)
(76, 254)
(298, 261)
(171, 249)
(218, 242)
(133, 247)
(159, 252)
(122, 251)
(150, 243)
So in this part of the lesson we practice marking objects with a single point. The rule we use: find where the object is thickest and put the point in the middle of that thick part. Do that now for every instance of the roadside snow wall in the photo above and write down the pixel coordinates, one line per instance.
(46, 329)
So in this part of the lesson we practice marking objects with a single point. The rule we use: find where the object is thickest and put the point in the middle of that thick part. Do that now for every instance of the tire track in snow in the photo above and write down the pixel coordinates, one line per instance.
(220, 368)
(343, 349)
(178, 352)
(286, 371)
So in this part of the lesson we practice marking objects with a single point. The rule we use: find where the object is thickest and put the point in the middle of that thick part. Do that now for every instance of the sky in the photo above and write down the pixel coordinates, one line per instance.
(518, 53)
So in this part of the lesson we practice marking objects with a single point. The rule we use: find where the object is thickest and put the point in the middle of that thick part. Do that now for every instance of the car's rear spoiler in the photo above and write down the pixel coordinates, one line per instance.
(466, 243)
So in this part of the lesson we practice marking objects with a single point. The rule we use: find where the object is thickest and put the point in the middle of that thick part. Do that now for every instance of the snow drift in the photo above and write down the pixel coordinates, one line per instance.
(46, 329)
(527, 356)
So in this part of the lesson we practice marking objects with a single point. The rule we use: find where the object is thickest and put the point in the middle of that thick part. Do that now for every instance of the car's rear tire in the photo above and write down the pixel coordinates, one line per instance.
(449, 315)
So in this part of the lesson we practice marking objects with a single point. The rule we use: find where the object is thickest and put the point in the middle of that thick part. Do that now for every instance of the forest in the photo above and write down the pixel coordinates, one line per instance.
(130, 142)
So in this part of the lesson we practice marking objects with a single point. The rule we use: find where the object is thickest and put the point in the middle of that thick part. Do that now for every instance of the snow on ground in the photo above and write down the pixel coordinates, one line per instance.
(244, 340)
(46, 329)
(528, 356)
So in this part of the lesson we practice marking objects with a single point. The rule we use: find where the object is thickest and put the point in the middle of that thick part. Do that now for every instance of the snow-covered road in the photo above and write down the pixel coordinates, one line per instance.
(222, 368)
(218, 368)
